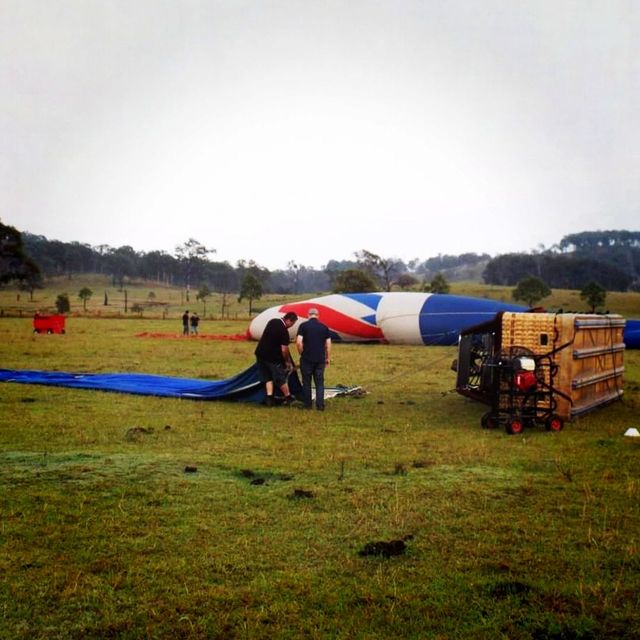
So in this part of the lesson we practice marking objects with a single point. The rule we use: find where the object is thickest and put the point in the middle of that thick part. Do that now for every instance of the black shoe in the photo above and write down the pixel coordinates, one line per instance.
(320, 408)
(288, 400)
(268, 401)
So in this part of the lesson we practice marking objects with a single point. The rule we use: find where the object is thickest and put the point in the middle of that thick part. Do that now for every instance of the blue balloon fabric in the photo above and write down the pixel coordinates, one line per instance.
(244, 387)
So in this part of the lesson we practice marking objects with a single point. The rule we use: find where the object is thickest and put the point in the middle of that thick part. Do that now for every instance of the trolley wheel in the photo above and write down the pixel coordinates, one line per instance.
(515, 426)
(554, 423)
(49, 331)
(489, 420)
(63, 331)
(35, 331)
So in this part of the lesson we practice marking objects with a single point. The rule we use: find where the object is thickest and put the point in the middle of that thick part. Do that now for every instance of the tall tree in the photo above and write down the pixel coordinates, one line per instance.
(15, 264)
(122, 264)
(84, 294)
(594, 295)
(531, 290)
(250, 289)
(406, 281)
(203, 293)
(354, 281)
(384, 269)
(192, 255)
(62, 303)
(439, 284)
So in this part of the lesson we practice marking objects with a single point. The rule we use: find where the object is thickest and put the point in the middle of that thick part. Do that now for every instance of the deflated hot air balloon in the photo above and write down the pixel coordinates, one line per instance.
(401, 317)
(391, 317)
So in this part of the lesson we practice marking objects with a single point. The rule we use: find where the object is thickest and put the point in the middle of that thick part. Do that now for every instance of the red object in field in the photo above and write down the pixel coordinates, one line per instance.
(48, 324)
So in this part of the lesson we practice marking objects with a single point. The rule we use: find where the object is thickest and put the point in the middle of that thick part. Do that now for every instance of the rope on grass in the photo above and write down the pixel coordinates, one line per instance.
(410, 372)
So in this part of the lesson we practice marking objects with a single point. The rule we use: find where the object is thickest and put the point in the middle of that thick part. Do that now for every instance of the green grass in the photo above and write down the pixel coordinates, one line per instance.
(104, 534)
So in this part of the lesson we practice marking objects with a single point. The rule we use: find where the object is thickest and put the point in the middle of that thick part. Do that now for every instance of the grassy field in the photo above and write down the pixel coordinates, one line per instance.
(139, 517)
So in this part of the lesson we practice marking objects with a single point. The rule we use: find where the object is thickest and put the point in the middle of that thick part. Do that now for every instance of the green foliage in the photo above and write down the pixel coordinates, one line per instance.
(406, 281)
(62, 303)
(85, 294)
(192, 256)
(104, 534)
(593, 240)
(594, 295)
(439, 284)
(15, 264)
(382, 269)
(615, 267)
(203, 293)
(353, 281)
(250, 289)
(531, 290)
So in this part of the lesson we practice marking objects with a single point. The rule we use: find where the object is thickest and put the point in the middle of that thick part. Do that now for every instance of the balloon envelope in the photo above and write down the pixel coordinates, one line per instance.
(401, 317)
(391, 317)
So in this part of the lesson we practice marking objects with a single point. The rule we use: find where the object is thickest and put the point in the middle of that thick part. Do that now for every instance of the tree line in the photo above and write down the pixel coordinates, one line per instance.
(608, 258)
(192, 265)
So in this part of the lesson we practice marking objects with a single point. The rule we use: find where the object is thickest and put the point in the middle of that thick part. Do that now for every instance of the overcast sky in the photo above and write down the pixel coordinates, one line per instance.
(305, 130)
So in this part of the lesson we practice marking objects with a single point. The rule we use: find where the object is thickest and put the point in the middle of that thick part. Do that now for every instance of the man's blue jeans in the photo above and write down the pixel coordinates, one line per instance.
(312, 371)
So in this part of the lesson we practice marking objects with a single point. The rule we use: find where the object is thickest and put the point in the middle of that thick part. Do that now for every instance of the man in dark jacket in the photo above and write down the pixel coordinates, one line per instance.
(314, 346)
(185, 323)
(274, 358)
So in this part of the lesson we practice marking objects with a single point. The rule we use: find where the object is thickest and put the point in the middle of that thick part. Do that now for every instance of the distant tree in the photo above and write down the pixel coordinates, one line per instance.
(84, 294)
(439, 284)
(594, 295)
(511, 268)
(122, 263)
(384, 269)
(224, 303)
(260, 273)
(354, 281)
(151, 296)
(159, 266)
(250, 289)
(294, 269)
(193, 256)
(221, 277)
(531, 290)
(15, 264)
(30, 278)
(590, 240)
(406, 281)
(203, 294)
(79, 258)
(62, 303)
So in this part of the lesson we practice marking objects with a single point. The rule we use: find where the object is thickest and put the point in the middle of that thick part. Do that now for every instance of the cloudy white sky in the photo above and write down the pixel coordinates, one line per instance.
(308, 129)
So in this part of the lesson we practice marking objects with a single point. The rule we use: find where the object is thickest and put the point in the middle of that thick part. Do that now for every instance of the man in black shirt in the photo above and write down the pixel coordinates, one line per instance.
(314, 346)
(185, 323)
(273, 357)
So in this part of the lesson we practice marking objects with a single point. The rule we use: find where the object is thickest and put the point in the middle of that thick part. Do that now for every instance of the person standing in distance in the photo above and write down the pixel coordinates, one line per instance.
(195, 321)
(314, 346)
(274, 358)
(185, 323)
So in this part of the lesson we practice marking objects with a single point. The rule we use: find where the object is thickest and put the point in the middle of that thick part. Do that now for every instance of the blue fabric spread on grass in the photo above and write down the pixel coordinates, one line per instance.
(245, 386)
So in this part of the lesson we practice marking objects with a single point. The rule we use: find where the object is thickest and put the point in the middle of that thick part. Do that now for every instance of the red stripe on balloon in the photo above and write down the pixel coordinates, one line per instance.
(337, 321)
